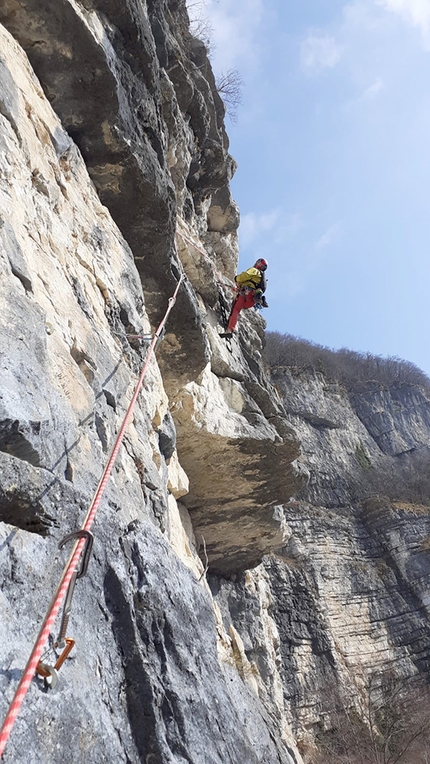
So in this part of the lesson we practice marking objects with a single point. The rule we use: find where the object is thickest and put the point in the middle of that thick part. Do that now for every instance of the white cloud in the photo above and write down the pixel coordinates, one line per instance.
(372, 91)
(319, 52)
(267, 220)
(303, 263)
(272, 228)
(290, 224)
(291, 286)
(253, 225)
(368, 95)
(415, 12)
(330, 236)
(235, 28)
(361, 17)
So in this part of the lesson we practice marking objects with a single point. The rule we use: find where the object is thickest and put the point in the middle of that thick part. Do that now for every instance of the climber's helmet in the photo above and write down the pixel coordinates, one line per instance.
(261, 264)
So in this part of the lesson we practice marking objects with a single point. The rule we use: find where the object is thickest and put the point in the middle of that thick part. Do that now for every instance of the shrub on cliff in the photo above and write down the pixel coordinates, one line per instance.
(200, 25)
(228, 84)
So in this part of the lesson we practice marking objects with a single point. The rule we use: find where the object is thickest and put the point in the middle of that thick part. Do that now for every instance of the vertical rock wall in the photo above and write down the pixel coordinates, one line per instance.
(347, 597)
(155, 676)
(114, 179)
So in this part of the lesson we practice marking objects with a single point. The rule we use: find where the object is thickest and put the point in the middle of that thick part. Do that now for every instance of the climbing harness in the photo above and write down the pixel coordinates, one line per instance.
(81, 543)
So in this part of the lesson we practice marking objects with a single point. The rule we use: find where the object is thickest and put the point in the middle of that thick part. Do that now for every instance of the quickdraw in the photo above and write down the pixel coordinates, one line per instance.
(223, 309)
(49, 671)
(80, 544)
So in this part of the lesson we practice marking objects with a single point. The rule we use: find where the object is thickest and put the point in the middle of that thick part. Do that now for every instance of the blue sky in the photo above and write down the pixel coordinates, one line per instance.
(333, 145)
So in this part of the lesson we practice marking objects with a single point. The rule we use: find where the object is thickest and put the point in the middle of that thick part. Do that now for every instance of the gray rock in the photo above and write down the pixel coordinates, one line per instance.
(398, 419)
(165, 670)
(146, 681)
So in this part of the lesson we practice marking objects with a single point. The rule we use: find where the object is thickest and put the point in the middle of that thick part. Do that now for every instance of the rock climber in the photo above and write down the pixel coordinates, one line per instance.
(251, 288)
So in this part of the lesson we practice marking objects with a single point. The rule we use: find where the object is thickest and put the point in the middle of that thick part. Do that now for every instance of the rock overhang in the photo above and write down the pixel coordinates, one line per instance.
(113, 109)
(239, 472)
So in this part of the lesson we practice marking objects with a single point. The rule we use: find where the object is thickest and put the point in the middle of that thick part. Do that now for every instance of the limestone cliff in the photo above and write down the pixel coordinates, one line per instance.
(350, 590)
(114, 180)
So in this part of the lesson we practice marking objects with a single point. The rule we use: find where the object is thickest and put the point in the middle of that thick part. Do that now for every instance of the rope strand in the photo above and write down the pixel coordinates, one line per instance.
(194, 244)
(75, 554)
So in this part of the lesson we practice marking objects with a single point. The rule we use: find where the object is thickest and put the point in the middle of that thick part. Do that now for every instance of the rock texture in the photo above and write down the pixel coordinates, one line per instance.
(350, 589)
(148, 121)
(237, 570)
(74, 286)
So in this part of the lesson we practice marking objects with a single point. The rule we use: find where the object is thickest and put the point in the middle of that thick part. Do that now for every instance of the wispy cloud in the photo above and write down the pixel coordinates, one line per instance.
(372, 91)
(414, 12)
(305, 264)
(253, 225)
(319, 51)
(298, 258)
(331, 235)
(235, 28)
(367, 96)
(273, 228)
(288, 225)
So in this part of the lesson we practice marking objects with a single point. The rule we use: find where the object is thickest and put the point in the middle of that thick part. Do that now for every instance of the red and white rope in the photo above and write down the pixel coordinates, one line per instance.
(220, 276)
(73, 560)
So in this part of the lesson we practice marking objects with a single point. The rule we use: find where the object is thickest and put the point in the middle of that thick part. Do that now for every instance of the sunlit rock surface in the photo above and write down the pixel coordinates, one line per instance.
(238, 570)
(72, 290)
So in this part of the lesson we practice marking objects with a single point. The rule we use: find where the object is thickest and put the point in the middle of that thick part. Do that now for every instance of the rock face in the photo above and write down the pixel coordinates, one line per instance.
(398, 419)
(78, 278)
(156, 149)
(350, 589)
(235, 570)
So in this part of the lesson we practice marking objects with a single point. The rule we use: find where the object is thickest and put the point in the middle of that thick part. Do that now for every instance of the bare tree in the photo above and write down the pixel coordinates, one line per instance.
(351, 369)
(200, 24)
(392, 728)
(202, 29)
(229, 85)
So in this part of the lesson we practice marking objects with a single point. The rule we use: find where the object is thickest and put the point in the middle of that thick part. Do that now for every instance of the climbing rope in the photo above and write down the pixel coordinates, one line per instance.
(70, 567)
(220, 276)
(223, 308)
(192, 242)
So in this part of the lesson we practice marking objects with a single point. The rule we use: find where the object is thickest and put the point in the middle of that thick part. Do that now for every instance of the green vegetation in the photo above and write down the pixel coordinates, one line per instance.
(362, 457)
